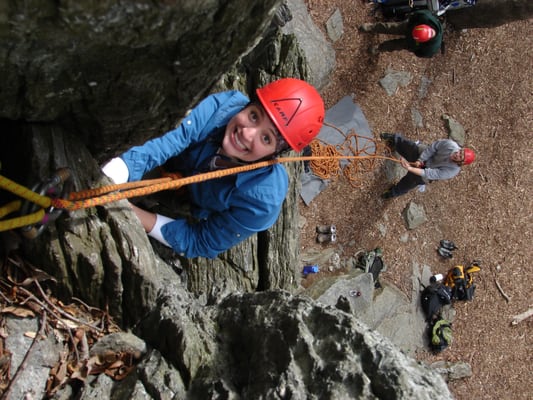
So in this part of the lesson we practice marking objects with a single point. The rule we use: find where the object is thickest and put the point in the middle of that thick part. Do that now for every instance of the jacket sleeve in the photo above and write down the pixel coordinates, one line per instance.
(445, 169)
(441, 173)
(192, 129)
(429, 151)
(250, 210)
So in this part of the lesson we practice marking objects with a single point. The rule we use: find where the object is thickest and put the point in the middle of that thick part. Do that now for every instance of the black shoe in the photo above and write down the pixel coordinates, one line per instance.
(373, 50)
(388, 138)
(387, 194)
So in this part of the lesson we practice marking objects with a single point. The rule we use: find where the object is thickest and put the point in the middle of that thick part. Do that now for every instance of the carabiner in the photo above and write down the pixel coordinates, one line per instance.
(54, 187)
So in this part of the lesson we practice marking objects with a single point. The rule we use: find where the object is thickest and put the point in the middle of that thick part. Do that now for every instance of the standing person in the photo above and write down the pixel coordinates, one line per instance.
(226, 130)
(440, 160)
(422, 34)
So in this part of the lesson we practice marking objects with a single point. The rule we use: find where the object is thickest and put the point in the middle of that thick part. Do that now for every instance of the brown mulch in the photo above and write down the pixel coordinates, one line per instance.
(484, 82)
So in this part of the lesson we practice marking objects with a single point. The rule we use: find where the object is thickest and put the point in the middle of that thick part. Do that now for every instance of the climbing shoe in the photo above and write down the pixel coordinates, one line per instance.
(387, 136)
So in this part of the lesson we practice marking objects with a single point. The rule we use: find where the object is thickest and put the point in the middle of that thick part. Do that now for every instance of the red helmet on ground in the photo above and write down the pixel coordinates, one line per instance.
(469, 157)
(295, 107)
(422, 33)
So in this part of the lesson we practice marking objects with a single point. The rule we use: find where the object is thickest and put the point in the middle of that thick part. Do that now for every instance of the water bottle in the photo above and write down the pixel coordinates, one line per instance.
(310, 269)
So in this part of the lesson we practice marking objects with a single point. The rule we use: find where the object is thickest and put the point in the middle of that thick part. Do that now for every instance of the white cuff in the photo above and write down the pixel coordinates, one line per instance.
(117, 170)
(156, 230)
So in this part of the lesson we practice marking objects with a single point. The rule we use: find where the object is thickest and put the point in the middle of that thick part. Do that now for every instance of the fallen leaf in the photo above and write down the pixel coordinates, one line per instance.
(18, 311)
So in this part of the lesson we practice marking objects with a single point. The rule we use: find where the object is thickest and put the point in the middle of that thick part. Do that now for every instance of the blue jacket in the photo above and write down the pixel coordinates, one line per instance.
(230, 209)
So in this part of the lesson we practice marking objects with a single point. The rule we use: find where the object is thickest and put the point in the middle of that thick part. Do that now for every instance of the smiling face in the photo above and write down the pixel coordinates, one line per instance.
(458, 157)
(250, 135)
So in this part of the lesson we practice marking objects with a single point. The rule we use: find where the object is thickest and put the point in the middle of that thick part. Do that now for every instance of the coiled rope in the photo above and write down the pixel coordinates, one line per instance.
(362, 156)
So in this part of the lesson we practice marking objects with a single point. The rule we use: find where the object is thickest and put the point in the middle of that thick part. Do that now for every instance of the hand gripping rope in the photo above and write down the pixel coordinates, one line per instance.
(47, 200)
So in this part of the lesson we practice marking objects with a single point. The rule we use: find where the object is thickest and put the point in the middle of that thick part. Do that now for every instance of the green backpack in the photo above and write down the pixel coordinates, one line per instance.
(440, 335)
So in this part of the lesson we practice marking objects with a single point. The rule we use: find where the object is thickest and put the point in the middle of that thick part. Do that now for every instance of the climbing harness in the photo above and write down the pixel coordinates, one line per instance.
(45, 202)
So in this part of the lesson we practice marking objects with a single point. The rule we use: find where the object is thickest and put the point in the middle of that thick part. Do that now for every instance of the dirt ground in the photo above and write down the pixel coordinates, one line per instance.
(483, 81)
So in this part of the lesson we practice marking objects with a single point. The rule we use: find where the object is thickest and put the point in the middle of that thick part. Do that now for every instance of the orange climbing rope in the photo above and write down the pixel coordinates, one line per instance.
(325, 163)
(362, 157)
(112, 193)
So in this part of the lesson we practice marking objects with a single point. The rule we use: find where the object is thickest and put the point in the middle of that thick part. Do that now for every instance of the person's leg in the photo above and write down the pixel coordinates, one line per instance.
(393, 45)
(407, 148)
(410, 151)
(406, 184)
(388, 28)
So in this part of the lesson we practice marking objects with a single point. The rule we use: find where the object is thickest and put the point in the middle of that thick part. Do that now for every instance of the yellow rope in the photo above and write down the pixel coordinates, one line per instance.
(24, 220)
(23, 192)
(10, 207)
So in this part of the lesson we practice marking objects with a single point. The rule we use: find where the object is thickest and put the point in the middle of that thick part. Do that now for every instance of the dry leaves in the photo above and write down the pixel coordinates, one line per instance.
(77, 325)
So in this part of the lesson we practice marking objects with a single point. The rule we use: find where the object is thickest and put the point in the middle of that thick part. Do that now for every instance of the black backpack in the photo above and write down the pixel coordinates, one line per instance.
(461, 291)
(432, 298)
(372, 262)
(440, 334)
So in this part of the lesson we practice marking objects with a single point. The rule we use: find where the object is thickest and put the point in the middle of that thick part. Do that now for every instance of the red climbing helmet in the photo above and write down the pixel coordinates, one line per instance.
(422, 33)
(295, 107)
(469, 156)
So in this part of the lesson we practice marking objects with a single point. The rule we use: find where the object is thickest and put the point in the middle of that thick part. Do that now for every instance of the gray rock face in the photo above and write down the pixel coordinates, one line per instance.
(266, 346)
(455, 130)
(256, 345)
(300, 349)
(33, 357)
(393, 80)
(414, 215)
(319, 55)
(119, 73)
